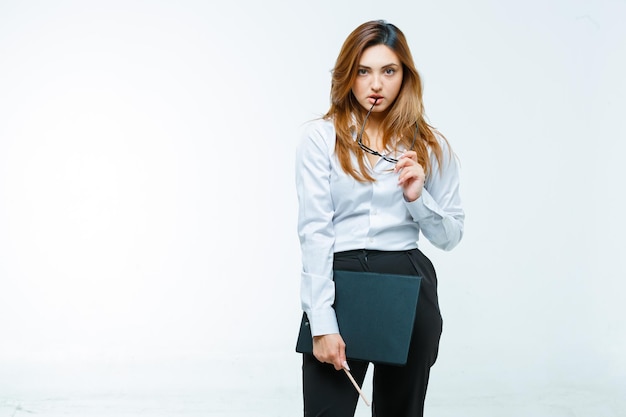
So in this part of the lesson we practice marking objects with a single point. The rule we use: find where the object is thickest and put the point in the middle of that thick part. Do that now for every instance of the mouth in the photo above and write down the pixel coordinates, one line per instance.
(374, 98)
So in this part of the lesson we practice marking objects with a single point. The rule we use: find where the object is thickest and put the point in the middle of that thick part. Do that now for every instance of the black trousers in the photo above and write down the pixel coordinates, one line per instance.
(398, 391)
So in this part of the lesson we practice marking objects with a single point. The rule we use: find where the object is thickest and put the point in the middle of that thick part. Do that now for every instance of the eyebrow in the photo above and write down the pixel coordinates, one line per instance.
(393, 64)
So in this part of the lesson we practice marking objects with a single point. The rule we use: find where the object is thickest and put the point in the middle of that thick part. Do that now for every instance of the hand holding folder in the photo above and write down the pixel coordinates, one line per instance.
(375, 313)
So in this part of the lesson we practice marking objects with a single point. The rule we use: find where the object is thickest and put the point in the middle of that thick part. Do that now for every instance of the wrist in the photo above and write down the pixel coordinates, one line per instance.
(411, 200)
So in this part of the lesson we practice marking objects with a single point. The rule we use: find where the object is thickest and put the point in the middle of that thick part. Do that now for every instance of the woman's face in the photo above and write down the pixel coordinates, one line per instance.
(379, 78)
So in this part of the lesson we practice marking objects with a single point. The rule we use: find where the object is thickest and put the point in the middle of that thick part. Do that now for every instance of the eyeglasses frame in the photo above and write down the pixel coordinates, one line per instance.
(373, 152)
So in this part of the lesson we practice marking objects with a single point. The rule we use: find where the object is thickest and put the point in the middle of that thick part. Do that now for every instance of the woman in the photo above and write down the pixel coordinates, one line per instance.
(371, 175)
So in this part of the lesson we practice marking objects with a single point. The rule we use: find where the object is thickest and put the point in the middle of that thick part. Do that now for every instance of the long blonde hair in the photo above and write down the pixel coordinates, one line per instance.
(407, 110)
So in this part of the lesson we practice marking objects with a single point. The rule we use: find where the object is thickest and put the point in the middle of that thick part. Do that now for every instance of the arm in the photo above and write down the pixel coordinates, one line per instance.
(315, 230)
(316, 233)
(438, 210)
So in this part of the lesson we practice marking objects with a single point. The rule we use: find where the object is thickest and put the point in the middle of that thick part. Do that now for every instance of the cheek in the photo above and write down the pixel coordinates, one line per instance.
(396, 88)
(357, 88)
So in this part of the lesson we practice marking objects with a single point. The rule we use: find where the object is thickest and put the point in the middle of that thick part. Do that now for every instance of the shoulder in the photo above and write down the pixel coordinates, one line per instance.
(323, 127)
(443, 142)
(448, 158)
(318, 133)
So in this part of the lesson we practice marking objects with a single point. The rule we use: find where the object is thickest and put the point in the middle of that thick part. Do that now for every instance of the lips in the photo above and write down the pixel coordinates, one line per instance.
(375, 99)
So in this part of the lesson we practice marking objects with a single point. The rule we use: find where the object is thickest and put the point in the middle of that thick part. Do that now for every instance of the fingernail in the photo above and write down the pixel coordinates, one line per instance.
(345, 365)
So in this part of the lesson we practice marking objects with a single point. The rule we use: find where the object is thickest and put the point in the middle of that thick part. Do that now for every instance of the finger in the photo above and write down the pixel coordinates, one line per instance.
(407, 162)
(340, 360)
(342, 356)
(407, 175)
(410, 155)
(403, 163)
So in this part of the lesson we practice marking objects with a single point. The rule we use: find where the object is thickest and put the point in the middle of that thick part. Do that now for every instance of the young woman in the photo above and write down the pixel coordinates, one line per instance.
(371, 175)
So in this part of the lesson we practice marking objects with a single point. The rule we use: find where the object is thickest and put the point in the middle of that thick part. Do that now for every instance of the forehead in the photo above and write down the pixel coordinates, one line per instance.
(378, 56)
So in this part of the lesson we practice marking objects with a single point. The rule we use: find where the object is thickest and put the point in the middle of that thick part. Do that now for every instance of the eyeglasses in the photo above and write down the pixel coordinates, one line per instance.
(372, 151)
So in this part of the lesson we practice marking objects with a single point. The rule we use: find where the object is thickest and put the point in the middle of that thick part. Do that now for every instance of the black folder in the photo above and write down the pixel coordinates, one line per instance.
(375, 313)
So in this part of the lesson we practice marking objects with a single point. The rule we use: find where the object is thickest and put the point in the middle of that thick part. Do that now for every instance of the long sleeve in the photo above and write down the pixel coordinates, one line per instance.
(315, 230)
(438, 211)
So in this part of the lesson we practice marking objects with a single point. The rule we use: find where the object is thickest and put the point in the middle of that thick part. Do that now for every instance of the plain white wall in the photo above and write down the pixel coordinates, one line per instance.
(147, 200)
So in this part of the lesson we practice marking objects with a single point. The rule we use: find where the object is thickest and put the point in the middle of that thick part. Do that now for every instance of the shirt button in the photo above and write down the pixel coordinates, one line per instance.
(374, 212)
(371, 239)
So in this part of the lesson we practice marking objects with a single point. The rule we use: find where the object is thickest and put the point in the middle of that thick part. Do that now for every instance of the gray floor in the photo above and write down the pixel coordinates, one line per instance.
(246, 386)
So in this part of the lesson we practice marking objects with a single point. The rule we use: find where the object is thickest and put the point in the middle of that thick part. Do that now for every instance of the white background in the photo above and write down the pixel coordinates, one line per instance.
(147, 198)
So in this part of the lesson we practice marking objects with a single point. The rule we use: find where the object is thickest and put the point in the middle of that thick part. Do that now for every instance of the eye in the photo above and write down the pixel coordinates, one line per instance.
(390, 71)
(362, 71)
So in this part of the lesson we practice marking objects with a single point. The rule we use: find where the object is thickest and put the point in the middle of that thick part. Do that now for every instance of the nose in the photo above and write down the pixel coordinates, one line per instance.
(377, 84)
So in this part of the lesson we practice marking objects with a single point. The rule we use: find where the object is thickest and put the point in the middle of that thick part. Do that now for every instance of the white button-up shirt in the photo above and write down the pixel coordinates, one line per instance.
(338, 213)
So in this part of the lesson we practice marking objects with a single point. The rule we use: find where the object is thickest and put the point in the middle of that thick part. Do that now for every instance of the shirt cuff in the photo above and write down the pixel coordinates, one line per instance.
(323, 322)
(419, 208)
